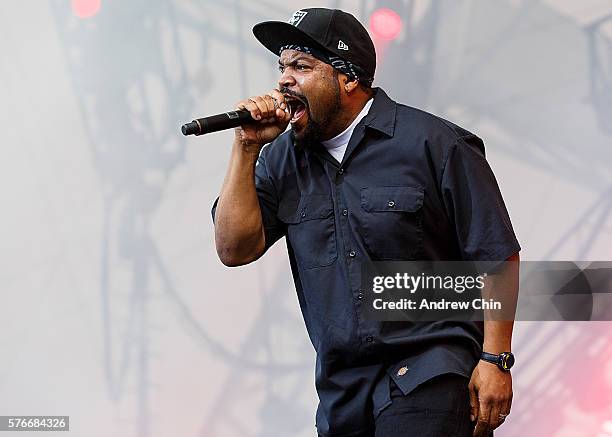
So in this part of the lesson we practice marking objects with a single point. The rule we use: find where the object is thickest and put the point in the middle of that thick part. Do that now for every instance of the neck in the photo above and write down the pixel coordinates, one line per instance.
(351, 107)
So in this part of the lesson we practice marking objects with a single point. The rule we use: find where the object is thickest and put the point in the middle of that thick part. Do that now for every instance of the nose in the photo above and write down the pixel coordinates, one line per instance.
(286, 79)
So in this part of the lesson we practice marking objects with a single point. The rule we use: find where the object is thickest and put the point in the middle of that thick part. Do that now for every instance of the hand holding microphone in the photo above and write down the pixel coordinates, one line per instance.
(272, 116)
(258, 120)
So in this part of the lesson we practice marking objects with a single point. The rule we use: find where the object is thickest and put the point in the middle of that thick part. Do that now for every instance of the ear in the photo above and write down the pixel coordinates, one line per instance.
(350, 85)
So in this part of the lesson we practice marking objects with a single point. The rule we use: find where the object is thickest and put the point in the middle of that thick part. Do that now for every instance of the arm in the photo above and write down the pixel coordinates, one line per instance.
(239, 231)
(491, 388)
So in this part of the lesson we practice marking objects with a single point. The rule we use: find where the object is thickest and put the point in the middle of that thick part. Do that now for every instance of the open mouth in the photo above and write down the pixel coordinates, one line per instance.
(297, 107)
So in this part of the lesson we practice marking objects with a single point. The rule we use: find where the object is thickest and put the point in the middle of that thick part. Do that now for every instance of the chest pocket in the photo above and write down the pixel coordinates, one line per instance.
(392, 222)
(310, 229)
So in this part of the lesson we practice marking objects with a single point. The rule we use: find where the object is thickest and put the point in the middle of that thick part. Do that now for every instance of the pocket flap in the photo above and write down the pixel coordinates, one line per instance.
(389, 199)
(410, 372)
(309, 207)
(288, 211)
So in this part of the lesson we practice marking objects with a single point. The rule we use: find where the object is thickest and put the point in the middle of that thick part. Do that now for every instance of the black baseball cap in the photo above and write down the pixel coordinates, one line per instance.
(332, 30)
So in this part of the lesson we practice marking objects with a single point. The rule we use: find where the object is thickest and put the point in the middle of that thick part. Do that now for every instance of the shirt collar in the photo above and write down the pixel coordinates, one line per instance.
(382, 114)
(380, 117)
(342, 138)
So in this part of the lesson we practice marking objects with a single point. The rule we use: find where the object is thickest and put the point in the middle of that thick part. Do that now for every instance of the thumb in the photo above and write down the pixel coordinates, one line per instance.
(474, 404)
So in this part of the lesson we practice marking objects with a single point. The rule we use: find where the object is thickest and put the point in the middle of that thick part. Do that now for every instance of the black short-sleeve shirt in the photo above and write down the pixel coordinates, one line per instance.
(411, 186)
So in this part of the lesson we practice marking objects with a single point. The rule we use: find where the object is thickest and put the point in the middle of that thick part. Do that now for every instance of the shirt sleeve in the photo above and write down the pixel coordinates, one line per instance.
(274, 229)
(474, 204)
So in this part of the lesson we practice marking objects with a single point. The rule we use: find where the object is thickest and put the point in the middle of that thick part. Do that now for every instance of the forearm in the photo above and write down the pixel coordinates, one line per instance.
(502, 286)
(497, 336)
(239, 234)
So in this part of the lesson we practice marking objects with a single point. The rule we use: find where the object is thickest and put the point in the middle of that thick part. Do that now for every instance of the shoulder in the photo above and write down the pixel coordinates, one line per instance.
(433, 130)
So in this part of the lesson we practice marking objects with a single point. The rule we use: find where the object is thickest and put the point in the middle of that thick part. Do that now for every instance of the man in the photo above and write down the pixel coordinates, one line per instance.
(359, 177)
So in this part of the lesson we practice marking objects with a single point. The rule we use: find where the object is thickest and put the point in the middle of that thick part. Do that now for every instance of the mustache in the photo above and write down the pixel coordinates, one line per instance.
(287, 92)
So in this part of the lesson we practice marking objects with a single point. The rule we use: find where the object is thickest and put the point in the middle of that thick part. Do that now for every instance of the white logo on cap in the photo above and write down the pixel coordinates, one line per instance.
(297, 18)
(342, 46)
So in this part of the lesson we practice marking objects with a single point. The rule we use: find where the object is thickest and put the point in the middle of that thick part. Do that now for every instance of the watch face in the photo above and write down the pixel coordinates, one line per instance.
(507, 360)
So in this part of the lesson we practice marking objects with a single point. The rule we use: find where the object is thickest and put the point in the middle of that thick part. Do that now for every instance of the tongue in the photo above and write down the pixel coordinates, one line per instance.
(299, 111)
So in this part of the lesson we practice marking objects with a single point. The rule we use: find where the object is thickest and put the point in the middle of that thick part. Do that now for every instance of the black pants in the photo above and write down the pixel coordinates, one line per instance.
(439, 407)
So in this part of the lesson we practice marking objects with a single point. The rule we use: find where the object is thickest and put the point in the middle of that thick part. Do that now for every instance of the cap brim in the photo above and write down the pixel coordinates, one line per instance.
(275, 34)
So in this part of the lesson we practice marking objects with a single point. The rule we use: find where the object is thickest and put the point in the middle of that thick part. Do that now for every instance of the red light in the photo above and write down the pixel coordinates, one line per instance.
(86, 8)
(385, 24)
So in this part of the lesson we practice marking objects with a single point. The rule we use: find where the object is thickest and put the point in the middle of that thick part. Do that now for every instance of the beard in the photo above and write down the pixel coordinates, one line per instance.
(311, 136)
(314, 132)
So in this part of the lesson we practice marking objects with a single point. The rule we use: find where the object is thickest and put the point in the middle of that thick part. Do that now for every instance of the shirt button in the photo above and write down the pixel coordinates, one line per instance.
(391, 203)
(345, 212)
(352, 254)
(341, 171)
(369, 339)
(360, 296)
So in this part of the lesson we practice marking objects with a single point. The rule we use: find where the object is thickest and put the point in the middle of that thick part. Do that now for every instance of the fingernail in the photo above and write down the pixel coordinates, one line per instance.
(472, 418)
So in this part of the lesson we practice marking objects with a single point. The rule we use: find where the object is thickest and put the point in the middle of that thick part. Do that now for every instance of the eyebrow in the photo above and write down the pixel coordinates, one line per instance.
(294, 61)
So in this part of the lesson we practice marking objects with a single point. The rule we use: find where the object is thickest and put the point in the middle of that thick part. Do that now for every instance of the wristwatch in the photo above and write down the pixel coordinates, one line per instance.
(504, 361)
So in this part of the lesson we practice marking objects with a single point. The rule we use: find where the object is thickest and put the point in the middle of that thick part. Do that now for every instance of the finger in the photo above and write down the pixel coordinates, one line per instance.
(251, 106)
(271, 106)
(509, 404)
(497, 409)
(282, 112)
(280, 99)
(480, 430)
(484, 416)
(266, 106)
(505, 410)
(473, 403)
(262, 108)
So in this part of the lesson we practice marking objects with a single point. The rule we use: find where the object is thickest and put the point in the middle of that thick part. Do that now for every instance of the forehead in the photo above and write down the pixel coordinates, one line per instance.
(290, 55)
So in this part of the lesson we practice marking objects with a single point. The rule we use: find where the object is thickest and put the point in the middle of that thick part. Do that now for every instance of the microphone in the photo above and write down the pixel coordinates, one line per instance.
(215, 123)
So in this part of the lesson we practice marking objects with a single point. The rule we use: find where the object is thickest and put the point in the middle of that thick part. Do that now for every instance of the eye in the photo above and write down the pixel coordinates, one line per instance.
(301, 67)
(281, 68)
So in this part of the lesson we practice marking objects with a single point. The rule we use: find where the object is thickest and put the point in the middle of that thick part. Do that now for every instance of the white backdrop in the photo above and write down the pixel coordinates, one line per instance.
(115, 309)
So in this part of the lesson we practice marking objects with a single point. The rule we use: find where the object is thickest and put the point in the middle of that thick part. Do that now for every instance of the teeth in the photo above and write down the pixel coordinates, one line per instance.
(293, 104)
(292, 101)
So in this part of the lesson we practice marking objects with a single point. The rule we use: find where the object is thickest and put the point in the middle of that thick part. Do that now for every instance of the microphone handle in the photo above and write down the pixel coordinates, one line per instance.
(215, 123)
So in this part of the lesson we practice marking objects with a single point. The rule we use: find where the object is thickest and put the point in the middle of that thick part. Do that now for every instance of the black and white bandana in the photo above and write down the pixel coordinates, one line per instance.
(342, 65)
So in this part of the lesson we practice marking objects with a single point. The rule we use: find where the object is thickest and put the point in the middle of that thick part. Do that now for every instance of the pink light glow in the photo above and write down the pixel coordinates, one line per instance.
(86, 8)
(385, 24)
